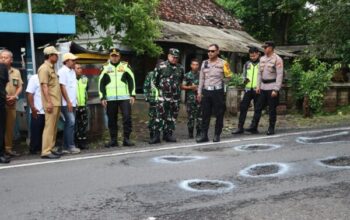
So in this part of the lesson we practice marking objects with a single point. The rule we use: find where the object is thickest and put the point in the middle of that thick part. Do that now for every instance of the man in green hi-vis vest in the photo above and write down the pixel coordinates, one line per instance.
(117, 90)
(250, 77)
(81, 111)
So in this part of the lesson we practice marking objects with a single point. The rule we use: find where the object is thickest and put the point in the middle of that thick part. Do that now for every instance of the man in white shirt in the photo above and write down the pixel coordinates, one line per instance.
(68, 84)
(37, 122)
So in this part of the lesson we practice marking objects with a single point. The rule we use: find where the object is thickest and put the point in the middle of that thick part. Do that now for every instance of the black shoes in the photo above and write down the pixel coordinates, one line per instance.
(155, 139)
(112, 144)
(190, 133)
(12, 153)
(252, 130)
(50, 156)
(270, 131)
(170, 138)
(239, 130)
(203, 138)
(216, 138)
(198, 134)
(128, 143)
(4, 159)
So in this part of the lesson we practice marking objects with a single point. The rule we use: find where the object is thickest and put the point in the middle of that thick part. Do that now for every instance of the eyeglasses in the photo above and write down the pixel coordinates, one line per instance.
(211, 51)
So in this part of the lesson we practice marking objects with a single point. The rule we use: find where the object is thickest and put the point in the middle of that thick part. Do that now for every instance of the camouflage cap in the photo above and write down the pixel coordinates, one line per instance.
(175, 52)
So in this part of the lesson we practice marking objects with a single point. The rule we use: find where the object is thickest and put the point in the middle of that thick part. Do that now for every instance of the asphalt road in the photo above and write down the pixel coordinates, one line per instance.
(134, 184)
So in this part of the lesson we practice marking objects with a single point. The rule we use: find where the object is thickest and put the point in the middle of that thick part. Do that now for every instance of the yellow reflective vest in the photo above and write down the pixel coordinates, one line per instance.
(82, 91)
(116, 82)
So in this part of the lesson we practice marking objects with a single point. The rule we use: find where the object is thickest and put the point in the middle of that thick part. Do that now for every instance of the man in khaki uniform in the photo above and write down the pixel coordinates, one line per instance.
(13, 90)
(51, 98)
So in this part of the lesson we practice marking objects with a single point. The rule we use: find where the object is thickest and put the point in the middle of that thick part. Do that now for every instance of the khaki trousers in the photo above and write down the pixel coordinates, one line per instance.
(50, 130)
(10, 125)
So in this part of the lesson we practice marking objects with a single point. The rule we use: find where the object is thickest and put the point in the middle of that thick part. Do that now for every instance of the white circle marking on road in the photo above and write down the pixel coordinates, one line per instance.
(283, 168)
(185, 185)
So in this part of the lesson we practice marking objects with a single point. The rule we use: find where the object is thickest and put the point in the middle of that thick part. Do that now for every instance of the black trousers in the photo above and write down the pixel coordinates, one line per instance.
(2, 128)
(265, 99)
(36, 132)
(213, 101)
(248, 96)
(112, 114)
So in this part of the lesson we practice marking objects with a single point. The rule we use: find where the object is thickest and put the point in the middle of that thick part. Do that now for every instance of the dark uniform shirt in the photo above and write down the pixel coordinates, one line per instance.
(4, 78)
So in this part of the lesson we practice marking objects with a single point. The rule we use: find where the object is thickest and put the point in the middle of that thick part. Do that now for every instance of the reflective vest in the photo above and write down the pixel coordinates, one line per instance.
(118, 87)
(82, 91)
(252, 75)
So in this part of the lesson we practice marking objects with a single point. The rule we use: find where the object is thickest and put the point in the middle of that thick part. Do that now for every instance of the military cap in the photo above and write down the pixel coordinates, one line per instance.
(114, 51)
(175, 52)
(50, 50)
(268, 44)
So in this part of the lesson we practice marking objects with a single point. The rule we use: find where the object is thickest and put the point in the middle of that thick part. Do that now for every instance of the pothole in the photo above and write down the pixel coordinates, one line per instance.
(177, 159)
(336, 162)
(213, 186)
(264, 170)
(257, 147)
(325, 137)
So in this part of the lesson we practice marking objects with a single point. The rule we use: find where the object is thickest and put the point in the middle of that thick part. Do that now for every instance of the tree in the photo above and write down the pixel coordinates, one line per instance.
(283, 21)
(331, 29)
(132, 22)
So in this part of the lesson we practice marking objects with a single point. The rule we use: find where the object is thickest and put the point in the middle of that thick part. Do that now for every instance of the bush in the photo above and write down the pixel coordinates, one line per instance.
(236, 81)
(310, 79)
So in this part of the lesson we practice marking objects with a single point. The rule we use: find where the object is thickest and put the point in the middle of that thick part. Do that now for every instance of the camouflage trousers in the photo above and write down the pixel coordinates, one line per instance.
(170, 111)
(155, 124)
(194, 113)
(81, 123)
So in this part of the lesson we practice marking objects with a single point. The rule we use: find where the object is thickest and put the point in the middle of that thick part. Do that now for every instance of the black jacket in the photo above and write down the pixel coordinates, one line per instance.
(4, 78)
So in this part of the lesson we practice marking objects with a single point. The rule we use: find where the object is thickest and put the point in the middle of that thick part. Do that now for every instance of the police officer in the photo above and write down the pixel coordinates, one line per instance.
(211, 92)
(4, 78)
(269, 84)
(250, 77)
(13, 89)
(117, 90)
(168, 78)
(81, 116)
(51, 99)
(152, 96)
(193, 107)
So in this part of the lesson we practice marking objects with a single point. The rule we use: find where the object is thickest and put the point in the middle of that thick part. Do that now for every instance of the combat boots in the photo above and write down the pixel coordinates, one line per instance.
(203, 138)
(198, 134)
(252, 129)
(239, 130)
(155, 138)
(169, 137)
(271, 130)
(127, 142)
(190, 133)
(114, 141)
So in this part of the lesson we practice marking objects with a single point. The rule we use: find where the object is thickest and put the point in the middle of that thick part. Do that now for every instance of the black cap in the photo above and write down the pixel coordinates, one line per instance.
(253, 50)
(114, 51)
(268, 44)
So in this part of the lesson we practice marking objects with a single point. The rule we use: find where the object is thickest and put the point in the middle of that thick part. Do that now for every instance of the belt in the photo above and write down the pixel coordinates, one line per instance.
(212, 88)
(267, 81)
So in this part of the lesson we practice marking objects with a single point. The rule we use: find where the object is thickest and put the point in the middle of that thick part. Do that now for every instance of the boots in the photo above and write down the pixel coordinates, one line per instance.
(114, 141)
(216, 138)
(239, 130)
(155, 138)
(271, 130)
(252, 129)
(198, 134)
(203, 138)
(169, 137)
(127, 142)
(190, 133)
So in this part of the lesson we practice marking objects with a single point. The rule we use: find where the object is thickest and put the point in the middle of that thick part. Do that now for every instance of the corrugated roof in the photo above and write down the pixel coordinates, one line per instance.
(197, 12)
(229, 40)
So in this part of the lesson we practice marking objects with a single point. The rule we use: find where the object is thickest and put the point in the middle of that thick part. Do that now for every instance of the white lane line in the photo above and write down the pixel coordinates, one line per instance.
(148, 150)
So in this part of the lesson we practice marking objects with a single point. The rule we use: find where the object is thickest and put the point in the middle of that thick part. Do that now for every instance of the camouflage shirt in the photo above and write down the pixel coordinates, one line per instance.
(189, 79)
(147, 87)
(168, 79)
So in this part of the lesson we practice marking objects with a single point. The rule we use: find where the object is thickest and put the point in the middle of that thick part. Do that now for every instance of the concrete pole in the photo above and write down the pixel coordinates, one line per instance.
(31, 32)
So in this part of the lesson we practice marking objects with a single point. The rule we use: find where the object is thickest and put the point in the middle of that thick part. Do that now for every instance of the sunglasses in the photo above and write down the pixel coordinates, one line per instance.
(211, 51)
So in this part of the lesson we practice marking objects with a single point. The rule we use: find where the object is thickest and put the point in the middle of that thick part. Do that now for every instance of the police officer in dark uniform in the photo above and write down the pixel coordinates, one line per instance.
(4, 78)
(117, 90)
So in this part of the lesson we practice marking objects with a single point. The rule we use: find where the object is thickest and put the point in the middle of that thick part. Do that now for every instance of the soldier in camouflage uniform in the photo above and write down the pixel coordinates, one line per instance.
(152, 96)
(168, 78)
(190, 85)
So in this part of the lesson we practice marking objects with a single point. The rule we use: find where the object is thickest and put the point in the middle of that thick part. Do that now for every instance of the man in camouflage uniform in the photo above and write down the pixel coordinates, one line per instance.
(152, 96)
(190, 85)
(168, 78)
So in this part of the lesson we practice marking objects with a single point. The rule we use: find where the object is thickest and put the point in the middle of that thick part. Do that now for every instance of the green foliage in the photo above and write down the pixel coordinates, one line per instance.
(311, 79)
(283, 21)
(236, 81)
(134, 23)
